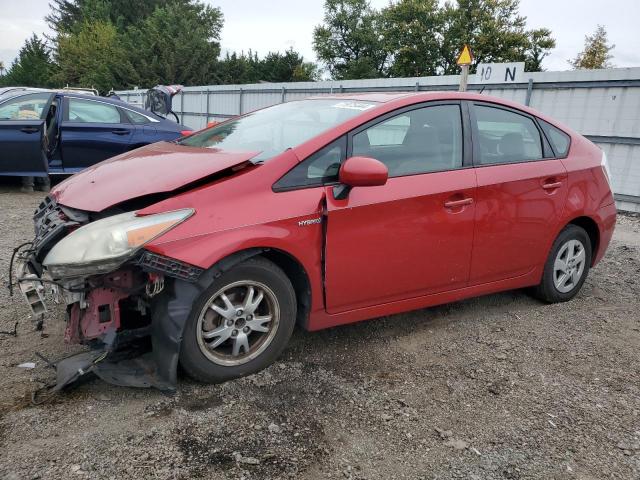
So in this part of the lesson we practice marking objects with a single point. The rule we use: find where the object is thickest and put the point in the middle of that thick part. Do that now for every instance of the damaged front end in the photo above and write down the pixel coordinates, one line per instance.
(127, 304)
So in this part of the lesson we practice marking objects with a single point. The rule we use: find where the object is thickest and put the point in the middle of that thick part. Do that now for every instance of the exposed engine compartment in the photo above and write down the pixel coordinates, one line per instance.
(115, 313)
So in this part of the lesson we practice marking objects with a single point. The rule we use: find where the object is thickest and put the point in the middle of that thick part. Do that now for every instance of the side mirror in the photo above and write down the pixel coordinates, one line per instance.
(360, 172)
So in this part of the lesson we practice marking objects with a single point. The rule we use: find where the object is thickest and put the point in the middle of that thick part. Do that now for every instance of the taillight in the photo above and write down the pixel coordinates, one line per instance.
(186, 133)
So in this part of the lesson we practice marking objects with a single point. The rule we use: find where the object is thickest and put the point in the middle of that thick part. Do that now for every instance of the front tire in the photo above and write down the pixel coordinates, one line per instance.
(240, 324)
(567, 266)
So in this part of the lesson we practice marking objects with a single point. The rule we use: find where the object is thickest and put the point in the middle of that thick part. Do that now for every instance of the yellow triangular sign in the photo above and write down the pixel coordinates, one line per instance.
(465, 57)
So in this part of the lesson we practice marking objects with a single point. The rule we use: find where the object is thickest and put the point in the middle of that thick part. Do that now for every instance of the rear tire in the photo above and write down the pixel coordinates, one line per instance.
(567, 266)
(240, 324)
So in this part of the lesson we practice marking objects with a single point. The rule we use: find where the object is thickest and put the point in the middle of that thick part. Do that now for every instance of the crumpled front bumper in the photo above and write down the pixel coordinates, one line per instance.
(131, 319)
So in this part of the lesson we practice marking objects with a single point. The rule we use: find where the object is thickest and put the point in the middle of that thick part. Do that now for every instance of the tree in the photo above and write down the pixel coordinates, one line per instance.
(67, 16)
(596, 53)
(95, 57)
(540, 44)
(495, 31)
(412, 30)
(238, 68)
(33, 66)
(423, 37)
(274, 67)
(287, 67)
(306, 72)
(349, 42)
(177, 43)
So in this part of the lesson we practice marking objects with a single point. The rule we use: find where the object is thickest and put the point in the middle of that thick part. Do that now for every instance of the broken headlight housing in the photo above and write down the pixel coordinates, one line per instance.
(104, 245)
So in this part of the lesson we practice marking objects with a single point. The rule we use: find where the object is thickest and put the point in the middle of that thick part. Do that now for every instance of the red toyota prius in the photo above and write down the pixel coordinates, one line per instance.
(320, 212)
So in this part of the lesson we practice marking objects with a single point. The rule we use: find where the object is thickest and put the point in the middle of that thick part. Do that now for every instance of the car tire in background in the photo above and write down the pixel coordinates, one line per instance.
(240, 324)
(567, 266)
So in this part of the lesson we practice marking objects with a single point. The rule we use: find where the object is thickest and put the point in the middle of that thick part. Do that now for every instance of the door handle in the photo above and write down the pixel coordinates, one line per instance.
(120, 131)
(29, 129)
(551, 185)
(458, 203)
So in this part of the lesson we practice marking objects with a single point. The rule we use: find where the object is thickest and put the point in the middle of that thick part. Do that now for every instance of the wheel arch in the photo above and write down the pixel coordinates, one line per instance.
(289, 264)
(593, 231)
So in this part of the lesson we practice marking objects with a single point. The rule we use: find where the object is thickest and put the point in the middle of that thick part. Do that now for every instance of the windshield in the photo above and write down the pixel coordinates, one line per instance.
(274, 129)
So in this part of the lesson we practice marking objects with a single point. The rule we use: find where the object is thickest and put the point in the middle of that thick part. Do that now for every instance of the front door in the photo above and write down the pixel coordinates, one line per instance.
(521, 194)
(22, 135)
(412, 236)
(92, 131)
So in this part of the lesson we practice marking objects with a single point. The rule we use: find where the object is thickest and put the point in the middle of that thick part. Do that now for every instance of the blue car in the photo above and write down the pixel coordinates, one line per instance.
(46, 132)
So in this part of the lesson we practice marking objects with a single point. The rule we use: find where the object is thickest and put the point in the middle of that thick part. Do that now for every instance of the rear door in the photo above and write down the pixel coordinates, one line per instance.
(92, 131)
(521, 193)
(22, 134)
(412, 236)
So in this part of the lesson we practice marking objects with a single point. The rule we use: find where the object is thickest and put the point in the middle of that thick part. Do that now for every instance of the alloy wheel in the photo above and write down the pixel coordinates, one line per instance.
(569, 266)
(238, 323)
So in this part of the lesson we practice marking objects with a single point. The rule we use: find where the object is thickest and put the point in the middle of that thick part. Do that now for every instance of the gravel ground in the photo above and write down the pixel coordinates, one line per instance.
(499, 387)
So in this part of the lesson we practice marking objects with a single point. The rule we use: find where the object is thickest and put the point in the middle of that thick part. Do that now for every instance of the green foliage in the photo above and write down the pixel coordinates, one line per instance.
(493, 29)
(540, 44)
(119, 44)
(423, 37)
(287, 67)
(177, 43)
(349, 42)
(412, 31)
(236, 68)
(596, 53)
(274, 67)
(32, 68)
(94, 57)
(67, 16)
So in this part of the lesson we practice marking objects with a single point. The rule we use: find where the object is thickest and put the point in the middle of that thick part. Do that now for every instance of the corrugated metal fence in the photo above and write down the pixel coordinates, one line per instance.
(603, 105)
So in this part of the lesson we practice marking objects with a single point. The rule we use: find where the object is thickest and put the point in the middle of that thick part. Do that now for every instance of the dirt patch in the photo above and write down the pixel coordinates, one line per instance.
(498, 387)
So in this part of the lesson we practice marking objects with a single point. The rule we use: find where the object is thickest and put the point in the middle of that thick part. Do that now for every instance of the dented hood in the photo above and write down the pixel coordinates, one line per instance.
(157, 168)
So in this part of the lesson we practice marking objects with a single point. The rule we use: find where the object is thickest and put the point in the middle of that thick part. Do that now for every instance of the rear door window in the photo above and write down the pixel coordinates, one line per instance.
(88, 111)
(506, 136)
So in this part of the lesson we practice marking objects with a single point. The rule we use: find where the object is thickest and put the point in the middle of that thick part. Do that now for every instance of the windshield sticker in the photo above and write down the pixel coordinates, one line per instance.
(354, 105)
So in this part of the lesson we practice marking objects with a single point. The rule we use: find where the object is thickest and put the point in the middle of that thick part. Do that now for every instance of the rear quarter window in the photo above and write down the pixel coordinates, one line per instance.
(135, 117)
(559, 140)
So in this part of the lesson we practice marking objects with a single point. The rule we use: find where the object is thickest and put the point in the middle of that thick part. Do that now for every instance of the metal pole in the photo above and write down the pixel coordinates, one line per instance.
(464, 78)
(240, 102)
(207, 120)
(284, 92)
(182, 107)
(529, 90)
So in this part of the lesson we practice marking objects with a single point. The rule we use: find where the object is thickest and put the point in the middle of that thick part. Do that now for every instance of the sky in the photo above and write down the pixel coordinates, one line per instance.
(276, 25)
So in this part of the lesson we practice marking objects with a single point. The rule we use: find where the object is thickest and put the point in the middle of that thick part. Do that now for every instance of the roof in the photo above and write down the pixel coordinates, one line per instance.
(407, 98)
(12, 92)
(366, 96)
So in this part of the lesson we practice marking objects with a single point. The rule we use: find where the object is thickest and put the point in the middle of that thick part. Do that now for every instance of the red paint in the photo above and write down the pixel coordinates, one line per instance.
(413, 242)
(102, 312)
(399, 240)
(363, 172)
(156, 168)
(516, 218)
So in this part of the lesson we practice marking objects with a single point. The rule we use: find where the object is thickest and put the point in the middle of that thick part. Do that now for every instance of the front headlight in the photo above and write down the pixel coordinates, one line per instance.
(103, 245)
